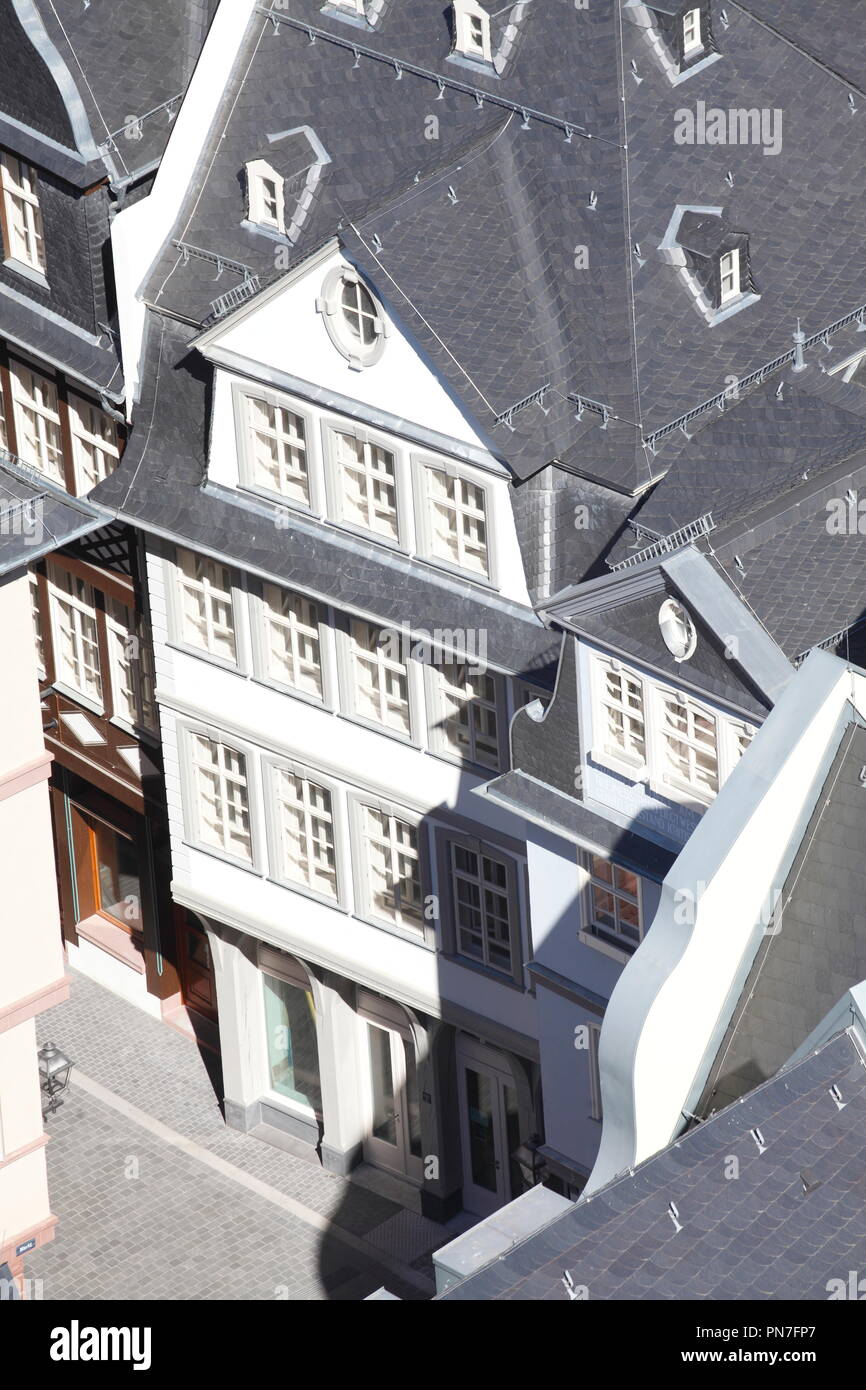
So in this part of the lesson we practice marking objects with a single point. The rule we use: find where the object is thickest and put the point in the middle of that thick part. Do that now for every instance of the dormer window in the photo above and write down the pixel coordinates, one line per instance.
(692, 40)
(265, 196)
(352, 6)
(729, 276)
(714, 259)
(21, 216)
(471, 26)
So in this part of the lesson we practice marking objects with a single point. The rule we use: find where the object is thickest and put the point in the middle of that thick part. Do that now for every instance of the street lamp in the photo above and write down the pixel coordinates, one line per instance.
(54, 1069)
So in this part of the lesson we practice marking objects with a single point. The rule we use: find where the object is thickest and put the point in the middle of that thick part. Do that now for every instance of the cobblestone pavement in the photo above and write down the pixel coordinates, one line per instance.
(158, 1199)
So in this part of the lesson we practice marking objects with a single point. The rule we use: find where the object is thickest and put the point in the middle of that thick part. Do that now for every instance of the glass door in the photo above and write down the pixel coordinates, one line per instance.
(490, 1130)
(394, 1127)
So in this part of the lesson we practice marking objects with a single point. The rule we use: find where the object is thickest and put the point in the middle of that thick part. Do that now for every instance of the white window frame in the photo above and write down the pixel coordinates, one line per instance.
(44, 405)
(259, 172)
(335, 480)
(141, 677)
(629, 764)
(273, 769)
(89, 445)
(188, 734)
(329, 304)
(384, 663)
(693, 40)
(422, 467)
(422, 932)
(38, 624)
(263, 618)
(287, 970)
(468, 18)
(438, 672)
(733, 274)
(242, 395)
(664, 778)
(655, 768)
(79, 610)
(177, 580)
(23, 217)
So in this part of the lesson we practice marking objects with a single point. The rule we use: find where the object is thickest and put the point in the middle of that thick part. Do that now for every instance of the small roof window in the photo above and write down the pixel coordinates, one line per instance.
(265, 196)
(354, 320)
(471, 24)
(677, 629)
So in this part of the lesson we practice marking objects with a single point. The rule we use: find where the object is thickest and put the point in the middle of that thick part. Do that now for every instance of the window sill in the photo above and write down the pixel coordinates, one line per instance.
(276, 499)
(309, 893)
(27, 272)
(115, 940)
(488, 971)
(415, 936)
(409, 740)
(203, 655)
(316, 701)
(84, 701)
(685, 796)
(483, 771)
(214, 853)
(607, 948)
(634, 772)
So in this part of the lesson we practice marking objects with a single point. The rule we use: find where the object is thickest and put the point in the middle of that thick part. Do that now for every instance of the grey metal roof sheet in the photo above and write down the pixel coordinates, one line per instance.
(817, 949)
(761, 1237)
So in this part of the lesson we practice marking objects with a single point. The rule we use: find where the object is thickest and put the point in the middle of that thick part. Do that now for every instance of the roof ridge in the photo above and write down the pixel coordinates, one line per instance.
(798, 48)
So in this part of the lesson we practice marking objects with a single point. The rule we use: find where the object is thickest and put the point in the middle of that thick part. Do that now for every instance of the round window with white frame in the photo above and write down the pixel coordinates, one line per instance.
(354, 319)
(677, 629)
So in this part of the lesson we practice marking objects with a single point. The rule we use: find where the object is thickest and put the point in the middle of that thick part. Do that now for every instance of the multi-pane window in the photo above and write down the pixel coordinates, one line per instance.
(614, 896)
(359, 312)
(691, 30)
(393, 868)
(222, 797)
(95, 448)
(729, 275)
(622, 704)
(476, 33)
(206, 608)
(22, 214)
(76, 641)
(37, 624)
(277, 444)
(742, 736)
(379, 676)
(292, 646)
(690, 742)
(132, 683)
(458, 521)
(470, 722)
(306, 833)
(482, 907)
(367, 485)
(37, 421)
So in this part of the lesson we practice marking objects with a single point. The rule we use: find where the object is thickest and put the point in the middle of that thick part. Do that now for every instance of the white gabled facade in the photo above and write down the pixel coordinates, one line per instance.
(368, 1007)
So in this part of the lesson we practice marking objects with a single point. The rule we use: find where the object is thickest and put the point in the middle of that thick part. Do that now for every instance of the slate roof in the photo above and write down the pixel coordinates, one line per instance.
(158, 485)
(36, 517)
(761, 1237)
(817, 950)
(126, 59)
(485, 277)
